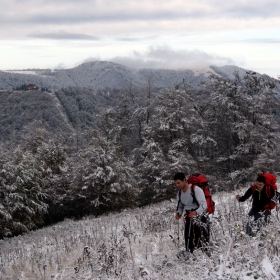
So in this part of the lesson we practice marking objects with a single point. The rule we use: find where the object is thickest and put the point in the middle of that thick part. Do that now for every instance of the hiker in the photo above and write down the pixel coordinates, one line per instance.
(196, 226)
(262, 194)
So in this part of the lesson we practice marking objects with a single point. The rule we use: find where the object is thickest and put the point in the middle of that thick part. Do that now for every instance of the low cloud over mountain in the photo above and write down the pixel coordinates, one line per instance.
(105, 74)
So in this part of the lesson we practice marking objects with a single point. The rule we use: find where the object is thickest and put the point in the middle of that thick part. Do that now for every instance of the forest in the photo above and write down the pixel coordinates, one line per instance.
(77, 151)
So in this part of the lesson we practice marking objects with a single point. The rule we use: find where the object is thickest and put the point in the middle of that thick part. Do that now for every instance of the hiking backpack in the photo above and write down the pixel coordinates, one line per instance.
(270, 180)
(198, 179)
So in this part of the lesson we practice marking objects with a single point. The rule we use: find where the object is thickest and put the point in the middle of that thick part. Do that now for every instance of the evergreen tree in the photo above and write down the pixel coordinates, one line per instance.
(104, 177)
(22, 196)
(168, 145)
(240, 117)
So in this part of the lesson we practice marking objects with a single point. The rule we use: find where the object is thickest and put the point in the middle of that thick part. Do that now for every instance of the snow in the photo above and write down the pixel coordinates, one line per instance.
(143, 244)
(104, 74)
(26, 72)
(203, 70)
(268, 269)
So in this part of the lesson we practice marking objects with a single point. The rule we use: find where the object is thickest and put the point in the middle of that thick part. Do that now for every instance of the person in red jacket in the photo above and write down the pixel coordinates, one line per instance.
(262, 195)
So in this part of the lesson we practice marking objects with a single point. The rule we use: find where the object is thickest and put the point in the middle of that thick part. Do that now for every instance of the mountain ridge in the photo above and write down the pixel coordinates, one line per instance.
(104, 74)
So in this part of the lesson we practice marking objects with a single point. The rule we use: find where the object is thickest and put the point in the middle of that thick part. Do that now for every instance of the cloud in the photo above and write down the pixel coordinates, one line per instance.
(251, 9)
(262, 40)
(167, 58)
(136, 39)
(61, 12)
(130, 20)
(92, 10)
(60, 66)
(214, 29)
(62, 35)
(89, 59)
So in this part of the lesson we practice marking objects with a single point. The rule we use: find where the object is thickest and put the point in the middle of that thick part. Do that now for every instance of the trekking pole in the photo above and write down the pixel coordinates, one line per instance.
(178, 234)
(189, 233)
(239, 209)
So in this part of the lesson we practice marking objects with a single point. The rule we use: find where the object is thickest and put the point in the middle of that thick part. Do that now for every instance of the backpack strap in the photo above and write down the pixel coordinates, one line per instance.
(267, 191)
(193, 195)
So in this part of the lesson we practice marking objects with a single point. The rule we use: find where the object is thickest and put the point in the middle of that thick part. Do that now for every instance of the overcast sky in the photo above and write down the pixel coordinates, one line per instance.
(141, 33)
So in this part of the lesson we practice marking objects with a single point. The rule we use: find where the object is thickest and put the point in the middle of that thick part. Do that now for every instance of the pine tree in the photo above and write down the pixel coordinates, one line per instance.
(23, 200)
(240, 117)
(104, 177)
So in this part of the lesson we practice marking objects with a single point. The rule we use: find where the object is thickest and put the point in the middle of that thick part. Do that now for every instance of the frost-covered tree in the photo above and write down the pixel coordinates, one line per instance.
(126, 120)
(150, 162)
(240, 116)
(28, 181)
(169, 142)
(175, 117)
(49, 151)
(104, 177)
(52, 156)
(22, 204)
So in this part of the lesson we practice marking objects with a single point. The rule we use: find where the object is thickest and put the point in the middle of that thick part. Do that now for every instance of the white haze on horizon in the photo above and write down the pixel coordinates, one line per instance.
(150, 33)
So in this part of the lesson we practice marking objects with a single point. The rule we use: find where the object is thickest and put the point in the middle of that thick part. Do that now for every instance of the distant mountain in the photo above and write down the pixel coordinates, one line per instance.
(103, 74)
(70, 100)
(227, 71)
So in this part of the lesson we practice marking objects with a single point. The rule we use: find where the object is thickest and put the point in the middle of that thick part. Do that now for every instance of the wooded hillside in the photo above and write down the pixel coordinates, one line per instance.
(77, 151)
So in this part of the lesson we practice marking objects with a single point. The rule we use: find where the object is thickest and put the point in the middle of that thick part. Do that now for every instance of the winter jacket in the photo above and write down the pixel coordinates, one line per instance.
(261, 199)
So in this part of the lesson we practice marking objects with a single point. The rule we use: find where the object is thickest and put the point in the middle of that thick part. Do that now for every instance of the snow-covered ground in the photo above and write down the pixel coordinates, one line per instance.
(143, 244)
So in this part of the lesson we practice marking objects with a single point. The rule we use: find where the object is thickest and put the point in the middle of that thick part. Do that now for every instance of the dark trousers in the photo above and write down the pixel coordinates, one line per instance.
(260, 218)
(196, 233)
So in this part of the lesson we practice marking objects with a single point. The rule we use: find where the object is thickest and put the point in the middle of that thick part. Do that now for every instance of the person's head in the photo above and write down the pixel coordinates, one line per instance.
(180, 180)
(179, 176)
(260, 182)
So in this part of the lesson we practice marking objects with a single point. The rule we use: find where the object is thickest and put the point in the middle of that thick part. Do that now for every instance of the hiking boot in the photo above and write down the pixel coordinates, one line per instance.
(189, 256)
(208, 254)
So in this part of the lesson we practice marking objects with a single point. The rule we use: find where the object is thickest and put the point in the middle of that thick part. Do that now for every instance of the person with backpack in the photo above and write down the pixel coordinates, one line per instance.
(262, 194)
(191, 205)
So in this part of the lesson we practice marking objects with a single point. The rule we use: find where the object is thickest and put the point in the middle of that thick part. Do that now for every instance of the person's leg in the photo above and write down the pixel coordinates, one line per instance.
(261, 219)
(206, 231)
(249, 223)
(257, 216)
(199, 234)
(189, 235)
(267, 216)
(196, 233)
(204, 235)
(258, 221)
(252, 224)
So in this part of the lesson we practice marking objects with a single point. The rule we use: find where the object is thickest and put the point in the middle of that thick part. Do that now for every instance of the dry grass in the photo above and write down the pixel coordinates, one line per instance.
(143, 244)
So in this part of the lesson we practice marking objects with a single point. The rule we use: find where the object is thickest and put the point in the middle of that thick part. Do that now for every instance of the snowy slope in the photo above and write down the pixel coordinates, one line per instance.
(143, 244)
(227, 71)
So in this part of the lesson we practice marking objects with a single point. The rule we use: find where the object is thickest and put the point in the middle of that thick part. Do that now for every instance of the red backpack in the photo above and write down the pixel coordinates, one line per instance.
(198, 179)
(270, 180)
